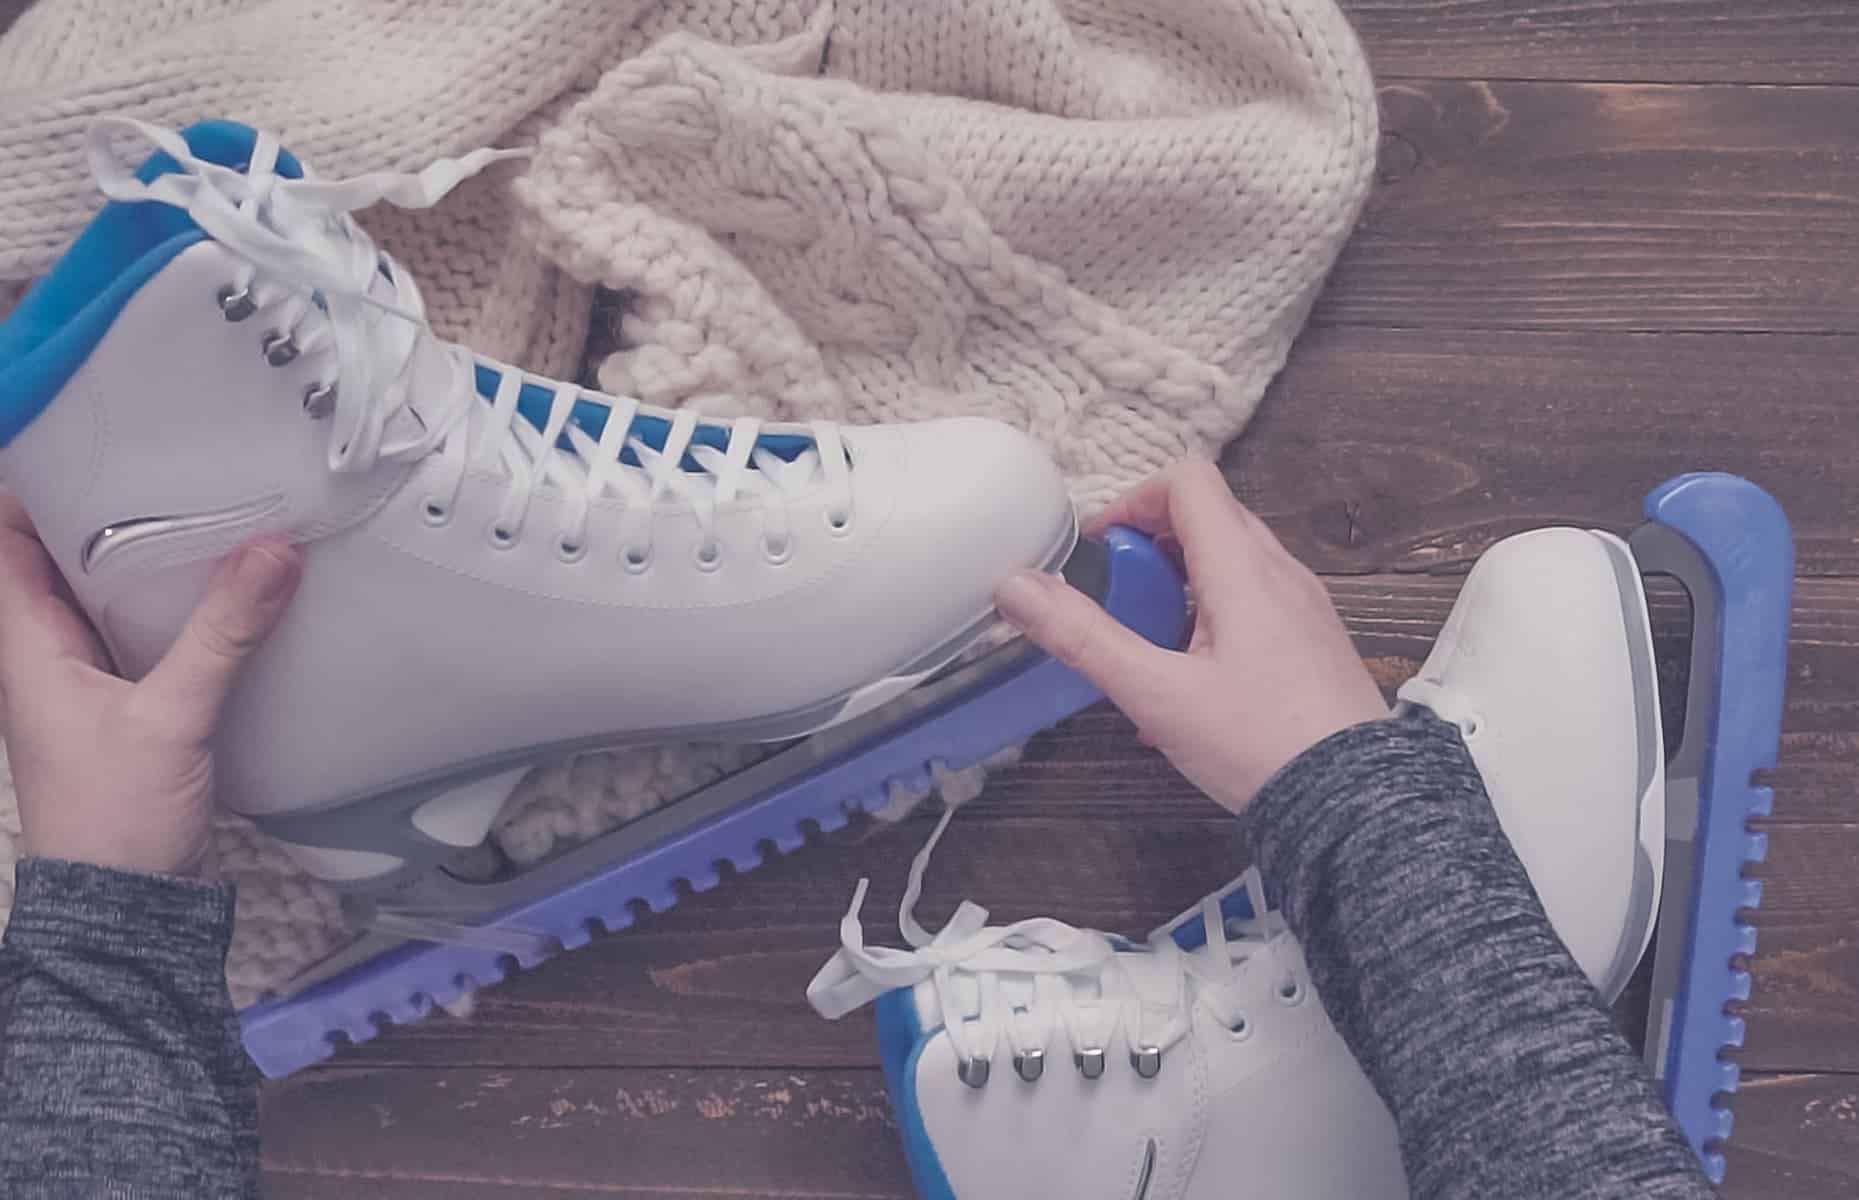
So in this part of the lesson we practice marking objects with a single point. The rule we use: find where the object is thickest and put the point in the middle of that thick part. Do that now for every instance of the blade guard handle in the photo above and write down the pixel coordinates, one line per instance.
(1741, 578)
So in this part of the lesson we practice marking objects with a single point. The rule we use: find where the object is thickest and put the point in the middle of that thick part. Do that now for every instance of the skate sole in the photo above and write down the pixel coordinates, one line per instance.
(958, 720)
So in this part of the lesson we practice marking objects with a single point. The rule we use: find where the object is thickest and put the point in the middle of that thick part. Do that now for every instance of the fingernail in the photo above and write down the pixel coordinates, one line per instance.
(263, 574)
(1022, 598)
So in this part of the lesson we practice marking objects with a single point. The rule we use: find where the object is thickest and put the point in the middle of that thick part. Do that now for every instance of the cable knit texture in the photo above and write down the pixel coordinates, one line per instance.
(1101, 221)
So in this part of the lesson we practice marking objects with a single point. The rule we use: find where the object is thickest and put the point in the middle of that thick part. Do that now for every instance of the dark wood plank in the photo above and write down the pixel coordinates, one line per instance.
(1796, 1136)
(486, 1135)
(1781, 41)
(1806, 989)
(1524, 205)
(474, 1135)
(1395, 450)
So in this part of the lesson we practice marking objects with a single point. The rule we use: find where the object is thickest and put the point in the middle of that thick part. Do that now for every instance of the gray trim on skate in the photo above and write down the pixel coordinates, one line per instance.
(1645, 671)
(382, 822)
(1660, 550)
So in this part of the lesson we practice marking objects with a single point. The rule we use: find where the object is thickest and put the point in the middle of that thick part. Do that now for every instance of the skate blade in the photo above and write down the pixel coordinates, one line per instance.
(1728, 544)
(495, 922)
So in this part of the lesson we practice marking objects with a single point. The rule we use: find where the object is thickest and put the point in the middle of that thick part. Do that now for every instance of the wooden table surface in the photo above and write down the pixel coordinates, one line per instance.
(1610, 242)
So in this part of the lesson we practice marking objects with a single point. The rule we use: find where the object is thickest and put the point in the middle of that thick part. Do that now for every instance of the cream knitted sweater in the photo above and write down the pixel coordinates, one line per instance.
(1103, 222)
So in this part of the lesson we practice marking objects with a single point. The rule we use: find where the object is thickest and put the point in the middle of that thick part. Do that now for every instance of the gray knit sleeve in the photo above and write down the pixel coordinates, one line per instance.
(1503, 1070)
(121, 1071)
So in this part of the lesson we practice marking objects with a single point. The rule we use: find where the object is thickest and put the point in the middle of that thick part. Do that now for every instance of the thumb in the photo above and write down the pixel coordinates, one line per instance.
(1071, 627)
(245, 596)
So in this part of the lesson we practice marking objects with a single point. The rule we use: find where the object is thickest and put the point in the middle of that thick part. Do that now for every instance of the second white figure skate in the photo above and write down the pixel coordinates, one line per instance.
(500, 568)
(1039, 1061)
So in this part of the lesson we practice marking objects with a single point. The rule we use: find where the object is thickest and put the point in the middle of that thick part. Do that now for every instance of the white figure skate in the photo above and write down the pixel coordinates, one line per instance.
(1037, 1061)
(1546, 665)
(500, 568)
(1198, 1058)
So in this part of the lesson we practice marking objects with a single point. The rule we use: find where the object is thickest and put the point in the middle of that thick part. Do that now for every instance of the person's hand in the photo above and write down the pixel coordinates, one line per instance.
(1270, 671)
(109, 772)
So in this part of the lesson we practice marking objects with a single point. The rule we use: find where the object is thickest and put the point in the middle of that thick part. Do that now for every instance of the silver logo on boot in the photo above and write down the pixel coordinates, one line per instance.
(120, 535)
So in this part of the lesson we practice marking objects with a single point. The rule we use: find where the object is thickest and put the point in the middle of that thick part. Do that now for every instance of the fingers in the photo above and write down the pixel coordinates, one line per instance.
(246, 595)
(1191, 502)
(1068, 625)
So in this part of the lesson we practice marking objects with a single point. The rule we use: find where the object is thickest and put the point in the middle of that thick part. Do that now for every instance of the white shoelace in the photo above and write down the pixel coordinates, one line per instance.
(330, 293)
(1078, 981)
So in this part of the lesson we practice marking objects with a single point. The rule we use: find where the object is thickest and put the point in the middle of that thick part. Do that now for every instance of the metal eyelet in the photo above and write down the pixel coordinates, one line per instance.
(319, 400)
(1291, 994)
(280, 348)
(708, 555)
(1090, 1062)
(436, 511)
(1241, 1028)
(839, 523)
(1469, 727)
(1147, 1060)
(236, 304)
(1030, 1064)
(776, 555)
(502, 537)
(973, 1071)
(636, 559)
(571, 552)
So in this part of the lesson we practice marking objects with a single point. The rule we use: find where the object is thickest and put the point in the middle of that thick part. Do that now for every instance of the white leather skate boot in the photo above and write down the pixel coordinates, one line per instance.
(1546, 665)
(499, 567)
(1037, 1061)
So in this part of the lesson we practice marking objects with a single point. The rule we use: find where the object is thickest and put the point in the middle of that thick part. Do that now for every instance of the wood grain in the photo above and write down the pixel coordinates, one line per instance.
(465, 1134)
(1400, 450)
(1797, 1136)
(1522, 205)
(1780, 41)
